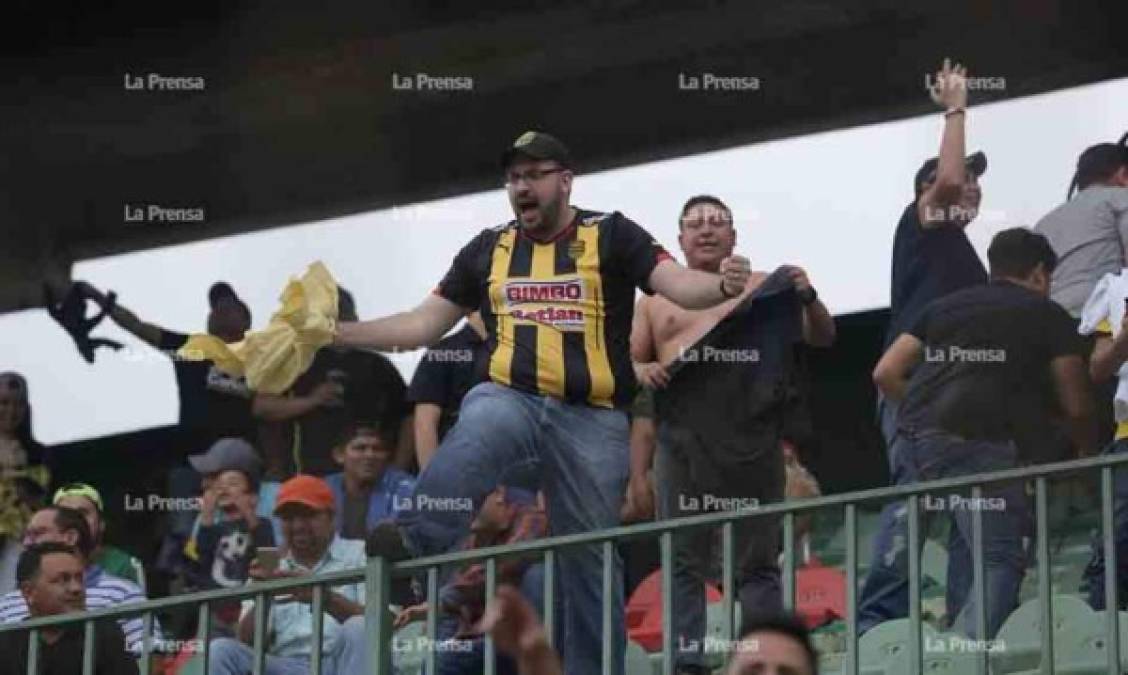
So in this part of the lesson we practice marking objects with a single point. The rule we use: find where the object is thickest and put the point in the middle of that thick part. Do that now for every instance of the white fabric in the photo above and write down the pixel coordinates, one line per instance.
(1106, 302)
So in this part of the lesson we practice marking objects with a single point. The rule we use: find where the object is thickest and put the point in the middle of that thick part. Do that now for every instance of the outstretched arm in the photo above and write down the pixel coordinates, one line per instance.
(413, 329)
(694, 289)
(149, 333)
(950, 91)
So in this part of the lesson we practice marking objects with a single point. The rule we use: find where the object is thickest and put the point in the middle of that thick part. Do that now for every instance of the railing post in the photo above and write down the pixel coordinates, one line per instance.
(916, 657)
(377, 623)
(851, 535)
(432, 618)
(789, 561)
(1112, 602)
(490, 656)
(262, 618)
(979, 583)
(317, 609)
(147, 641)
(608, 598)
(88, 647)
(204, 631)
(667, 544)
(550, 595)
(1045, 588)
(33, 652)
(728, 552)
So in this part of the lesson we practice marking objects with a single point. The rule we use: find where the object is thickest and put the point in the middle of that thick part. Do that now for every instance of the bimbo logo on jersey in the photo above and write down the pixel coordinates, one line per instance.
(517, 292)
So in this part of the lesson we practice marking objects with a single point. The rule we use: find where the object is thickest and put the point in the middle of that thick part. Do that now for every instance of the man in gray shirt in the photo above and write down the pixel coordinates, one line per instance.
(1089, 233)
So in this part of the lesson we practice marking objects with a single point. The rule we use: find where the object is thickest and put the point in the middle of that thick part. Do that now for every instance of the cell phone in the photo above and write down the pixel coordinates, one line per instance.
(267, 558)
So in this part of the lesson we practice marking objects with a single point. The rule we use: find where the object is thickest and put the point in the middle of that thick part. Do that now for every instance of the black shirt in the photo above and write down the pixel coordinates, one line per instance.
(374, 390)
(64, 657)
(988, 350)
(213, 404)
(558, 312)
(446, 373)
(226, 550)
(927, 264)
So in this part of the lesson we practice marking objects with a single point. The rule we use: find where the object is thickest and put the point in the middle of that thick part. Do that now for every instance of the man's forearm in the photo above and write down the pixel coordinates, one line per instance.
(399, 332)
(950, 167)
(426, 441)
(696, 290)
(341, 608)
(643, 443)
(276, 408)
(818, 325)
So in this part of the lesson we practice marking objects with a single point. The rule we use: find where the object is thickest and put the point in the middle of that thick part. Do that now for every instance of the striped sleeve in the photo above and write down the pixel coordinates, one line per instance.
(111, 591)
(13, 609)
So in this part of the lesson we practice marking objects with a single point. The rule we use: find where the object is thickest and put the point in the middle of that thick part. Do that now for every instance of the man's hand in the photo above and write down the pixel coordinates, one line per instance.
(207, 505)
(652, 375)
(513, 624)
(410, 615)
(949, 89)
(87, 290)
(735, 271)
(799, 278)
(639, 504)
(328, 394)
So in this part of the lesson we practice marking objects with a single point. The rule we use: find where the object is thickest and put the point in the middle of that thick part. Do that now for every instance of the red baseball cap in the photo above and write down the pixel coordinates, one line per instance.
(306, 490)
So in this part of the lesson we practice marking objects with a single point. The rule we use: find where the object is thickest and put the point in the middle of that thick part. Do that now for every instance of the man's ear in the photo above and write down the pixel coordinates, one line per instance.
(339, 454)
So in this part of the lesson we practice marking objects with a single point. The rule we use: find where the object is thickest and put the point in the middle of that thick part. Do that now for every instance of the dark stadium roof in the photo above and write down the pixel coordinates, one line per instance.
(298, 117)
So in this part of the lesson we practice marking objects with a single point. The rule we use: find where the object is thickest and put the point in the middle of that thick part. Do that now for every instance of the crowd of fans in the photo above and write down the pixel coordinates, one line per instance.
(525, 423)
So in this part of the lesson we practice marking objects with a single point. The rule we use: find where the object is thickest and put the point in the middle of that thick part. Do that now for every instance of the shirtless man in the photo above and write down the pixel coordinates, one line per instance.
(660, 334)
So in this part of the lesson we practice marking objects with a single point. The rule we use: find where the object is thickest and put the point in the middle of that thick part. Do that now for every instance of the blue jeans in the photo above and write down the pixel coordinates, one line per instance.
(959, 555)
(1093, 578)
(579, 455)
(349, 656)
(933, 455)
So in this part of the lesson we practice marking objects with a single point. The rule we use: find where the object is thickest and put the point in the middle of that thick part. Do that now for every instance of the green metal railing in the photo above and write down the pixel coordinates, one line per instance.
(378, 573)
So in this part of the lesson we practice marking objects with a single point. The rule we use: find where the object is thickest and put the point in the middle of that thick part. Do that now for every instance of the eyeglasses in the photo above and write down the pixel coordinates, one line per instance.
(530, 176)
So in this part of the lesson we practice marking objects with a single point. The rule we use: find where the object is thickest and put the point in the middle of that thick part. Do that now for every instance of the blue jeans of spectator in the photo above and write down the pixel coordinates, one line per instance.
(925, 456)
(578, 454)
(1094, 579)
(348, 657)
(959, 555)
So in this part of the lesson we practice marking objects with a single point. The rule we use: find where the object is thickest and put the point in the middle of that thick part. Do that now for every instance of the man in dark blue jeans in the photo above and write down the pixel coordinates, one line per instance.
(976, 359)
(555, 287)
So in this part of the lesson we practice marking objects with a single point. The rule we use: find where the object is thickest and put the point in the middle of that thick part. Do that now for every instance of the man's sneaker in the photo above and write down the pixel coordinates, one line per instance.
(385, 540)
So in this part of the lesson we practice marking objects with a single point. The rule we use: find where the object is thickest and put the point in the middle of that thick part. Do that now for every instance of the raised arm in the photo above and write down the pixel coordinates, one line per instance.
(693, 289)
(147, 332)
(949, 91)
(422, 326)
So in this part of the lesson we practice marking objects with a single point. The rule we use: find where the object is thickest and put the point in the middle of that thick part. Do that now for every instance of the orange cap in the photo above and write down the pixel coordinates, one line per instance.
(306, 490)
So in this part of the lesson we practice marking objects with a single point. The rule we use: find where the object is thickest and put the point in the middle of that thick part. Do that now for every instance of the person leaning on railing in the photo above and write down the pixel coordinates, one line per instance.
(50, 577)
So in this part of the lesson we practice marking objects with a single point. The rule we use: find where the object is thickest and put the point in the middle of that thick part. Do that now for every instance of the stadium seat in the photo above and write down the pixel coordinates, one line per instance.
(952, 663)
(638, 661)
(1021, 635)
(408, 659)
(880, 644)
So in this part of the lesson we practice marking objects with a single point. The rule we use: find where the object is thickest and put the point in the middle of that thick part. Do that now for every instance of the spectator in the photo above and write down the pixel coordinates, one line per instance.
(369, 489)
(228, 529)
(213, 404)
(932, 257)
(508, 515)
(710, 462)
(340, 385)
(555, 287)
(59, 524)
(24, 472)
(448, 370)
(774, 645)
(1089, 232)
(973, 357)
(88, 501)
(51, 583)
(305, 505)
(1104, 317)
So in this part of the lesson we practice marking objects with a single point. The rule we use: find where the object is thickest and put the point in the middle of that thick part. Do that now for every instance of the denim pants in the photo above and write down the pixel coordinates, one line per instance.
(959, 580)
(349, 656)
(579, 456)
(755, 540)
(1093, 579)
(926, 456)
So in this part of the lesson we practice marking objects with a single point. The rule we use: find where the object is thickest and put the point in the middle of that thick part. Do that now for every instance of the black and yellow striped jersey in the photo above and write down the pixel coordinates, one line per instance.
(558, 312)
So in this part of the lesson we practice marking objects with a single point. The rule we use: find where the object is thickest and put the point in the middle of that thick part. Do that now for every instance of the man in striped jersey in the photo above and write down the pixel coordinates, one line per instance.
(555, 287)
(67, 526)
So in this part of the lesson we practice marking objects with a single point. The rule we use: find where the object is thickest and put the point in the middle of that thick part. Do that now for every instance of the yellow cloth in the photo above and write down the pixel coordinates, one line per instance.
(272, 359)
